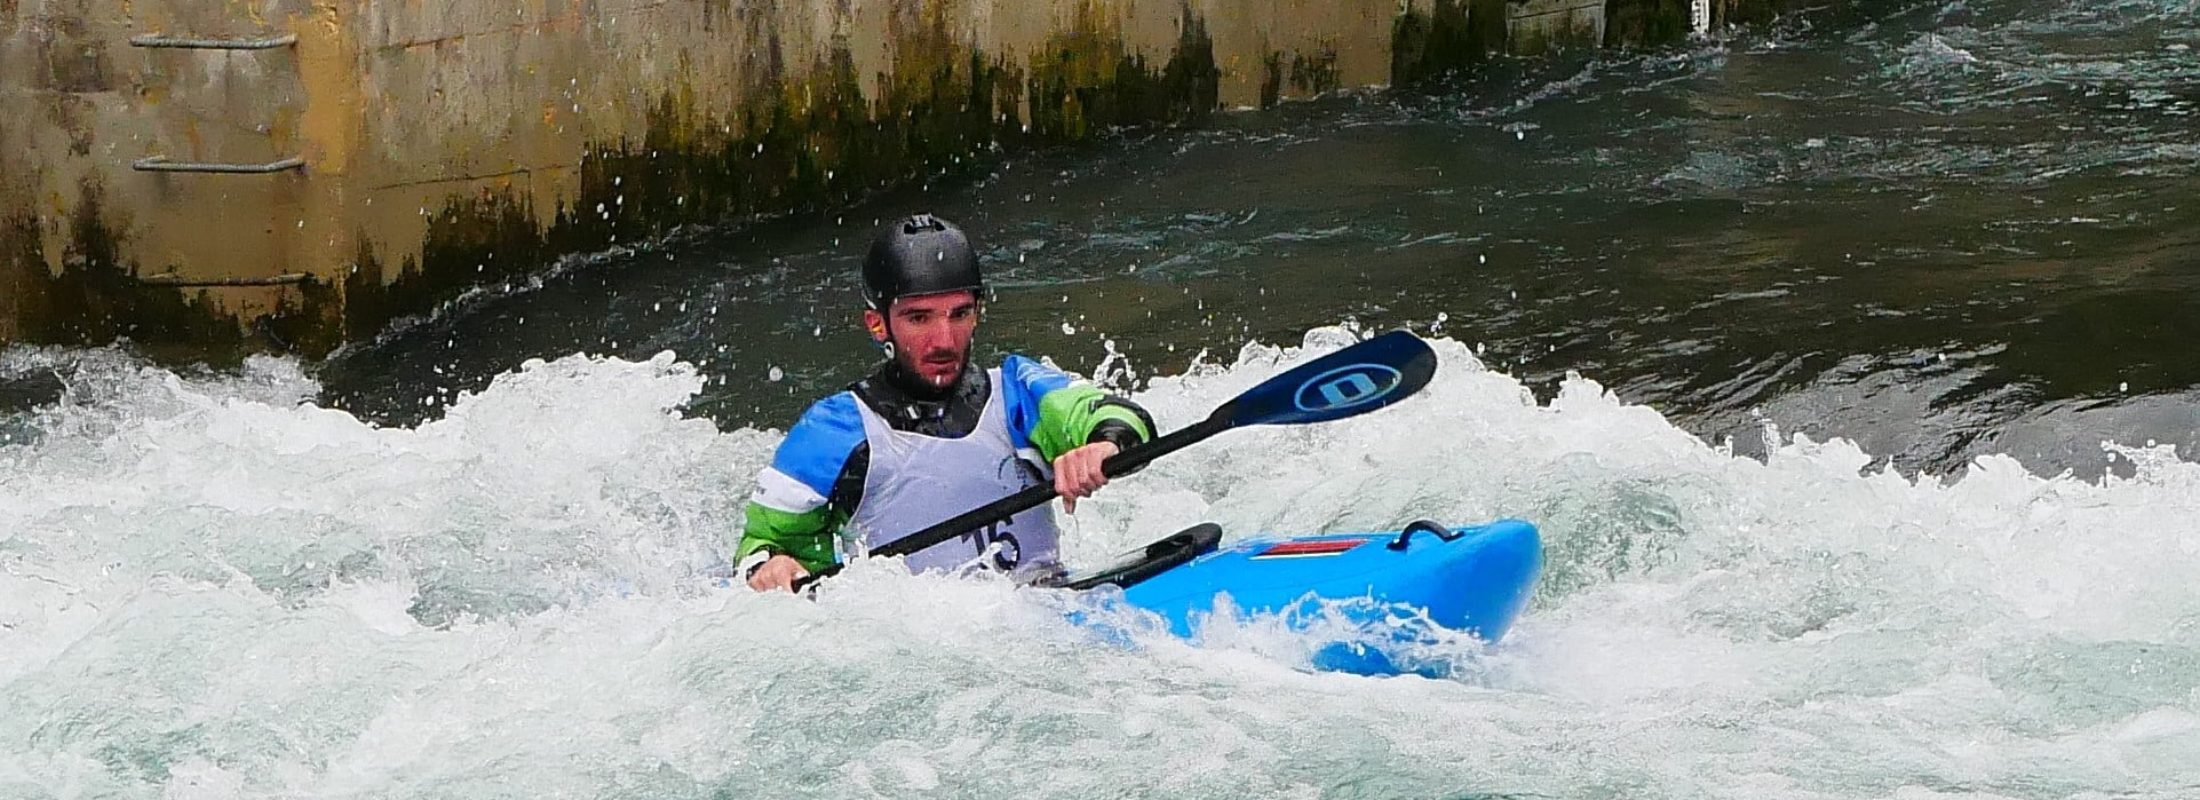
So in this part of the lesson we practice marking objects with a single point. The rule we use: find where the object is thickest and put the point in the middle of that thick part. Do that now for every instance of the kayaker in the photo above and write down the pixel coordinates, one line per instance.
(929, 434)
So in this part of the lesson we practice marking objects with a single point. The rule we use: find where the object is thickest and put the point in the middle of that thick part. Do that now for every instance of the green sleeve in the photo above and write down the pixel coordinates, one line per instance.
(1069, 416)
(807, 536)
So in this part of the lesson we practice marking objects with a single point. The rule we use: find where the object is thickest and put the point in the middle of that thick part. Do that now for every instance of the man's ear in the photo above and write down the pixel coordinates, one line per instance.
(875, 324)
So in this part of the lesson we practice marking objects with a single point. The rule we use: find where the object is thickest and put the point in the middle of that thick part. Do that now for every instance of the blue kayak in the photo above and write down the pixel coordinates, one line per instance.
(1390, 589)
(1372, 595)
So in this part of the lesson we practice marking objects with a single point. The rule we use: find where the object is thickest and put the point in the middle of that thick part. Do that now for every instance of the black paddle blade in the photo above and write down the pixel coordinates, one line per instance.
(1358, 379)
(1151, 560)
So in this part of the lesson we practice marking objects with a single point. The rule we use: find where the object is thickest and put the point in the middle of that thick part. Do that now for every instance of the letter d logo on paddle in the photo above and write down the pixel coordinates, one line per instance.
(1345, 387)
(1358, 379)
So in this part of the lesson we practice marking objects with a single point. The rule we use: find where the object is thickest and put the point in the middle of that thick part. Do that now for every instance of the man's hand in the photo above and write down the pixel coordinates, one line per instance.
(1077, 472)
(779, 572)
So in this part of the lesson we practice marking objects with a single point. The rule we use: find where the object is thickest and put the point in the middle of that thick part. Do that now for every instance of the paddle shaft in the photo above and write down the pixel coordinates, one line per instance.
(1115, 467)
(1031, 496)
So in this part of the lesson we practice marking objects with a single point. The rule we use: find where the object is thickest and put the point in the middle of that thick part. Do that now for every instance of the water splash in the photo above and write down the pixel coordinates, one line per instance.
(211, 588)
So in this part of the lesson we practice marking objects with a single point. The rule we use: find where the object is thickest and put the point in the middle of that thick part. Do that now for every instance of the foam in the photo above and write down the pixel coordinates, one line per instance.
(210, 587)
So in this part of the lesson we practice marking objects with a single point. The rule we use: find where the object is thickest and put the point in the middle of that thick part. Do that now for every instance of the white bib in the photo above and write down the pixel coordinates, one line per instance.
(916, 481)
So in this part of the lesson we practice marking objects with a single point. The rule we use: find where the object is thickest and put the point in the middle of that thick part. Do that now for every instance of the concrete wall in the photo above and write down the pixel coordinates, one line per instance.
(458, 142)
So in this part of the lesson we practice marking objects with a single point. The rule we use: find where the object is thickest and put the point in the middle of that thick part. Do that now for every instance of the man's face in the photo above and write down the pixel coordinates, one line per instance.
(931, 334)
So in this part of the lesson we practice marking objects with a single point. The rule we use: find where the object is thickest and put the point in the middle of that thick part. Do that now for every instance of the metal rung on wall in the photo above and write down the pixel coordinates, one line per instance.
(158, 40)
(175, 280)
(162, 164)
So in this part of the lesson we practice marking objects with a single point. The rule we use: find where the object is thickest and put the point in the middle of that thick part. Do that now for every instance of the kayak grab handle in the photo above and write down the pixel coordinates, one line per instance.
(1431, 526)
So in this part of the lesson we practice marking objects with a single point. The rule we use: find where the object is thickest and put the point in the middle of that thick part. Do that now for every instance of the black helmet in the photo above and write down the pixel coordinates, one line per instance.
(916, 256)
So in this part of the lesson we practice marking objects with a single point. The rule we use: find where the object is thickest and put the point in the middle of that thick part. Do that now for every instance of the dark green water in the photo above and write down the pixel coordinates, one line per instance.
(1961, 228)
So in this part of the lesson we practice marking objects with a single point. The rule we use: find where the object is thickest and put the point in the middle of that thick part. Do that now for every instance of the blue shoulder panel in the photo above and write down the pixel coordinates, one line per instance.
(1024, 381)
(817, 447)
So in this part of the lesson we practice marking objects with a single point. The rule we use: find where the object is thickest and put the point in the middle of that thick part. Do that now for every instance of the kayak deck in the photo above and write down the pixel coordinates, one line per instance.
(1391, 590)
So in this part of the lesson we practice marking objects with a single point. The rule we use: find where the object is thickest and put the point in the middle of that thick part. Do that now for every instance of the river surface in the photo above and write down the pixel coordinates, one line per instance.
(1845, 365)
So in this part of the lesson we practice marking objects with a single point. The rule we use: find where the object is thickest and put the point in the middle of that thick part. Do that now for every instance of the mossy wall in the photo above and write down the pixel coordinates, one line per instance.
(467, 143)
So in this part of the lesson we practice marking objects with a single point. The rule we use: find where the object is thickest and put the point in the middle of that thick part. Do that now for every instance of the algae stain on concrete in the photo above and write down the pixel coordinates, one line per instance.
(1310, 75)
(1315, 74)
(1084, 81)
(96, 297)
(1645, 22)
(1450, 36)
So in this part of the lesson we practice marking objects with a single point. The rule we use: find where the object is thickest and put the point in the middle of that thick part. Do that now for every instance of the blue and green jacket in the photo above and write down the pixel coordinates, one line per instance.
(815, 481)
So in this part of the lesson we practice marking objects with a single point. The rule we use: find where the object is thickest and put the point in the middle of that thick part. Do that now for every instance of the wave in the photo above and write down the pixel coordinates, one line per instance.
(211, 587)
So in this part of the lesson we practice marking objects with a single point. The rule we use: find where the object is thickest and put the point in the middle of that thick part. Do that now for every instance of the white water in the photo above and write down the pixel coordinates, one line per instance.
(211, 589)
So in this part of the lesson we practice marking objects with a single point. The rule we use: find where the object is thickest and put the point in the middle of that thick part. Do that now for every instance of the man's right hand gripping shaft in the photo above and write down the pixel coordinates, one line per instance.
(779, 572)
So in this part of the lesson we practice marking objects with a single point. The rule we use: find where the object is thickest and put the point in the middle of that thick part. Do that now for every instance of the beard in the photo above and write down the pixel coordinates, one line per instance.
(937, 369)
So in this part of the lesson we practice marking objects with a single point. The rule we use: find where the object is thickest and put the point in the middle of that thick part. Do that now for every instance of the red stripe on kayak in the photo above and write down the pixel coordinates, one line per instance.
(1321, 547)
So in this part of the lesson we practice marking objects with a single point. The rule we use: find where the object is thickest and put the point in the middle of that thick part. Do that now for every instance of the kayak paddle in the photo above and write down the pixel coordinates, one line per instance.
(1353, 381)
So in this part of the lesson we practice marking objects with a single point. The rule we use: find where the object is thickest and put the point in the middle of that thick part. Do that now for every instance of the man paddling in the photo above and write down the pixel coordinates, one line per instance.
(930, 434)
